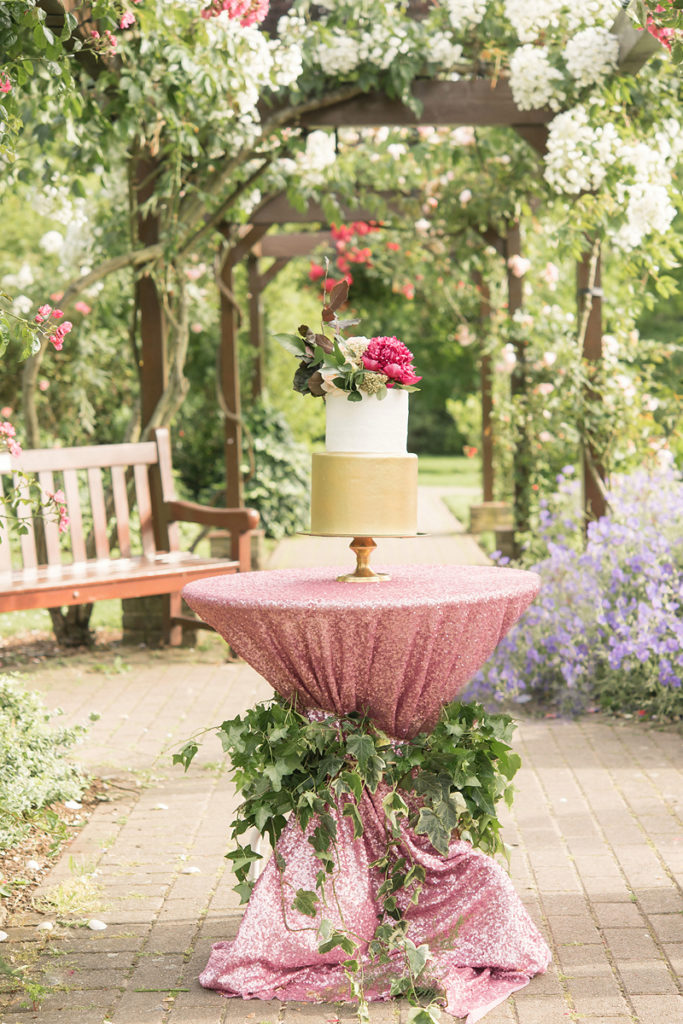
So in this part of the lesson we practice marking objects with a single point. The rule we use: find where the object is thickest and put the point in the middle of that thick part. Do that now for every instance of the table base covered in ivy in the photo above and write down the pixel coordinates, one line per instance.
(398, 651)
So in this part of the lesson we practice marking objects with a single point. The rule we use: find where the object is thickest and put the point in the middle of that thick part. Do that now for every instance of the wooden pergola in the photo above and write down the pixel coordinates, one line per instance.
(447, 104)
(478, 102)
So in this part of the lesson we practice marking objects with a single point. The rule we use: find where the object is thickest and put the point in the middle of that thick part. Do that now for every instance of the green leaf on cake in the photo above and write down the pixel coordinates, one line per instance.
(292, 343)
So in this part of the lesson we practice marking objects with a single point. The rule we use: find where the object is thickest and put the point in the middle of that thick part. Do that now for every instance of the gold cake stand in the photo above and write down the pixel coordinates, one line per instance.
(363, 547)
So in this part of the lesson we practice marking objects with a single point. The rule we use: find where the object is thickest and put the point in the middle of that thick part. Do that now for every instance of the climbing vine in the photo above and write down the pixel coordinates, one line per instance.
(443, 785)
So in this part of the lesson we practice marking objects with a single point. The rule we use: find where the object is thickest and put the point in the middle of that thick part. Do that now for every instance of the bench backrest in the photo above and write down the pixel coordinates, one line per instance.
(103, 486)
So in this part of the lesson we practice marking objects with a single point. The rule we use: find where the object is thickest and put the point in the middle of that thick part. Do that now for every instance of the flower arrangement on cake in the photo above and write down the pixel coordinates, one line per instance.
(355, 365)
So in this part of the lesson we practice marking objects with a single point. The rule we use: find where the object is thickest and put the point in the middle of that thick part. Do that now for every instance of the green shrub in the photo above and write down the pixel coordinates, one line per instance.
(279, 486)
(33, 769)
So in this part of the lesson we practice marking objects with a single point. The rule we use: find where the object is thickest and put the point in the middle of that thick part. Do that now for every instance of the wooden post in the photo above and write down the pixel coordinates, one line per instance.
(256, 332)
(589, 301)
(522, 454)
(230, 388)
(487, 468)
(153, 368)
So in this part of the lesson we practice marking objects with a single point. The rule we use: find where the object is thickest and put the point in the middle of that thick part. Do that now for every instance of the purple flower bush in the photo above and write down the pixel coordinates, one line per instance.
(607, 627)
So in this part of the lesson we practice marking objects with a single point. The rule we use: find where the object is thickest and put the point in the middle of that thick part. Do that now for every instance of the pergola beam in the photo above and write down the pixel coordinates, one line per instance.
(278, 210)
(298, 243)
(478, 102)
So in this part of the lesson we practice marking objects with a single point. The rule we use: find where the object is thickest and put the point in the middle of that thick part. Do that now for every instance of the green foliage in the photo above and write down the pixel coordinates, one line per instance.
(279, 486)
(444, 785)
(33, 769)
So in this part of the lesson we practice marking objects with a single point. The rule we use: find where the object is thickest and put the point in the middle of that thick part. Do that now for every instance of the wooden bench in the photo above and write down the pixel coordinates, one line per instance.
(109, 555)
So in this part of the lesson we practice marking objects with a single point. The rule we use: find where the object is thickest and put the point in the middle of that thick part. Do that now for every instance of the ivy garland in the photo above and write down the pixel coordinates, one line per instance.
(444, 785)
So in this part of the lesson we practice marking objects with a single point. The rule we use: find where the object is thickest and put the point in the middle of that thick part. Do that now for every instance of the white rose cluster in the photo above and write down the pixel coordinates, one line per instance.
(443, 51)
(381, 43)
(248, 60)
(579, 154)
(591, 55)
(338, 56)
(287, 64)
(533, 79)
(464, 13)
(320, 153)
(648, 210)
(587, 13)
(530, 17)
(571, 163)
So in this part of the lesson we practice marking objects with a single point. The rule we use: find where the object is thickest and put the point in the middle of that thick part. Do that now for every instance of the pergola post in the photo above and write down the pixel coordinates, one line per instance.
(486, 384)
(521, 459)
(230, 387)
(589, 300)
(230, 367)
(256, 332)
(153, 361)
(257, 284)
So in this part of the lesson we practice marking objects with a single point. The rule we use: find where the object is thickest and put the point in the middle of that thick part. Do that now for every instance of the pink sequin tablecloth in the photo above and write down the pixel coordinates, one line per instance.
(398, 650)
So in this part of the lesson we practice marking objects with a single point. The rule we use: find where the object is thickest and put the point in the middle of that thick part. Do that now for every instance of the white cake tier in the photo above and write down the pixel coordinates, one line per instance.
(367, 426)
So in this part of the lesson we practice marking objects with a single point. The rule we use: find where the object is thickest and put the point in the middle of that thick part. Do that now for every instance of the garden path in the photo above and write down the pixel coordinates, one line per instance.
(596, 834)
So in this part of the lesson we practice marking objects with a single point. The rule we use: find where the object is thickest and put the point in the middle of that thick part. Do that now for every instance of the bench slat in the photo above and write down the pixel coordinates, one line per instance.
(102, 455)
(27, 540)
(73, 504)
(99, 512)
(54, 554)
(118, 481)
(80, 583)
(144, 502)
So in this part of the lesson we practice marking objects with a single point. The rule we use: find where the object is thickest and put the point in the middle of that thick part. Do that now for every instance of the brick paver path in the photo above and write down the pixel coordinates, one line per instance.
(596, 834)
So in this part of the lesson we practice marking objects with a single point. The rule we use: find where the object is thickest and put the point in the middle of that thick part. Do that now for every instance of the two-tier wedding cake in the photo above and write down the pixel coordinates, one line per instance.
(365, 483)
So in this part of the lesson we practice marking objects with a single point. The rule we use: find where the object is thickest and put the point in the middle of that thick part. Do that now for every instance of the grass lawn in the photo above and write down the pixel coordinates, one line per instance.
(106, 615)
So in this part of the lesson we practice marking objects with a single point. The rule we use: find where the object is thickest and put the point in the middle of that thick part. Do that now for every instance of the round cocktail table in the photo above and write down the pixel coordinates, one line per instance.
(398, 651)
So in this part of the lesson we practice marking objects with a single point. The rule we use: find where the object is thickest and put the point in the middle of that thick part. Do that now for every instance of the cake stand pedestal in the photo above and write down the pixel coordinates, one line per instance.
(363, 548)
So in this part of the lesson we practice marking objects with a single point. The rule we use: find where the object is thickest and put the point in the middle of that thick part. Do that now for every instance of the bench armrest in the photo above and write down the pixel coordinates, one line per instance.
(235, 520)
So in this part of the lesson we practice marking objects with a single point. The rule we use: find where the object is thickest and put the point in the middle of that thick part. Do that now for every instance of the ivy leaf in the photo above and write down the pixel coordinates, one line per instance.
(337, 939)
(417, 957)
(242, 859)
(423, 1015)
(186, 754)
(351, 811)
(306, 902)
(370, 764)
(243, 890)
(430, 824)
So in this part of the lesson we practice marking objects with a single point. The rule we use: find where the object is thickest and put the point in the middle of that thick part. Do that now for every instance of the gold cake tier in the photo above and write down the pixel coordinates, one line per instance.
(354, 495)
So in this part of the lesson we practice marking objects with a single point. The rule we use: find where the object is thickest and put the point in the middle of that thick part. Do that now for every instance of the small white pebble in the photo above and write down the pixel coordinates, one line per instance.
(191, 871)
(96, 926)
(73, 805)
(160, 807)
(124, 716)
(4, 936)
(32, 865)
(45, 926)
